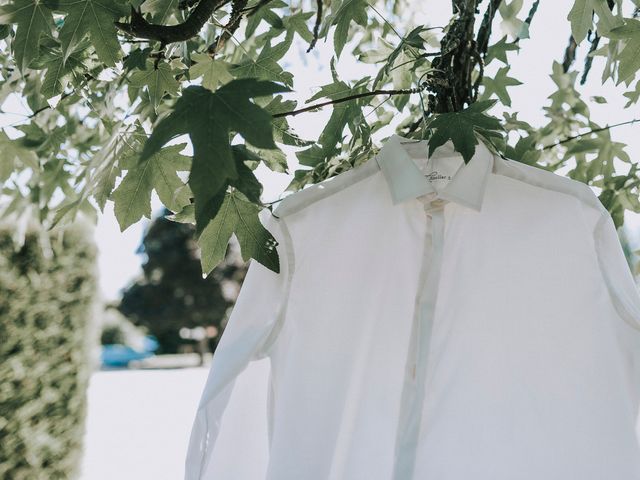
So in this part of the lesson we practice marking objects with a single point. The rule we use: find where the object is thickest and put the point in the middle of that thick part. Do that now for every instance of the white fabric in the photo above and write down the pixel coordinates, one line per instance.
(432, 320)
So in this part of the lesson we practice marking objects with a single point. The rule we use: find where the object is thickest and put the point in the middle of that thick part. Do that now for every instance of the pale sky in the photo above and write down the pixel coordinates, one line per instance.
(549, 33)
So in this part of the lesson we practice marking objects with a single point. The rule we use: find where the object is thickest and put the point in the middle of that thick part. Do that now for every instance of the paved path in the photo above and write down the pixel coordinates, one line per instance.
(139, 422)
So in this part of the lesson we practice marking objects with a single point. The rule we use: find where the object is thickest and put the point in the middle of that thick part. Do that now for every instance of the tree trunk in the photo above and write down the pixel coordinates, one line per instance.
(450, 85)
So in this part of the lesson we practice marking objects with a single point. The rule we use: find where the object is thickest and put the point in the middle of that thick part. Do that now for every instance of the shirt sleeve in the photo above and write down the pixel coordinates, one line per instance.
(250, 331)
(616, 271)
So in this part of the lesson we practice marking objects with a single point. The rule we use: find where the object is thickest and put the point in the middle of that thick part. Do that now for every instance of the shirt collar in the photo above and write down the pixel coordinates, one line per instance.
(406, 180)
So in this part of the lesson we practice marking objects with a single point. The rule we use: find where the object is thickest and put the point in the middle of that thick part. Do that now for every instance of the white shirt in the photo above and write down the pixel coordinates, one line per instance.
(431, 320)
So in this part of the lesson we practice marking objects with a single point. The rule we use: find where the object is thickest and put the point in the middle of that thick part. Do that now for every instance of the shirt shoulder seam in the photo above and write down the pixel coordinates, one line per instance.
(553, 182)
(624, 313)
(311, 194)
(289, 259)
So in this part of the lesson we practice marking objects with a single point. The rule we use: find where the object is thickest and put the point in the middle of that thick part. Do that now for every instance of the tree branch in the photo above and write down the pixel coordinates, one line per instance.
(595, 130)
(529, 19)
(569, 54)
(346, 99)
(140, 28)
(589, 59)
(484, 32)
(237, 11)
(449, 85)
(316, 26)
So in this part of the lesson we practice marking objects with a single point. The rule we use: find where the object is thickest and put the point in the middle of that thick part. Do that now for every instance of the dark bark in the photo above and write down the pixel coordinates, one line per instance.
(166, 34)
(569, 54)
(450, 83)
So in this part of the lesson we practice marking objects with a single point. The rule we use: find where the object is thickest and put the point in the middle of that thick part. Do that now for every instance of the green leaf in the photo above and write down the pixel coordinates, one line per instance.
(606, 19)
(401, 74)
(161, 10)
(33, 18)
(298, 24)
(209, 118)
(331, 135)
(186, 215)
(67, 210)
(59, 73)
(158, 81)
(510, 22)
(266, 66)
(132, 198)
(282, 132)
(499, 51)
(238, 216)
(276, 160)
(213, 72)
(462, 128)
(137, 58)
(406, 48)
(247, 183)
(94, 18)
(584, 145)
(512, 122)
(633, 95)
(5, 31)
(581, 18)
(599, 99)
(629, 58)
(498, 86)
(15, 156)
(343, 114)
(106, 165)
(264, 12)
(346, 11)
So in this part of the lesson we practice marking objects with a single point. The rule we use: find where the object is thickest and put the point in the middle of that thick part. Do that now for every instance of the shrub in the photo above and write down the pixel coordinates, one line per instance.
(48, 291)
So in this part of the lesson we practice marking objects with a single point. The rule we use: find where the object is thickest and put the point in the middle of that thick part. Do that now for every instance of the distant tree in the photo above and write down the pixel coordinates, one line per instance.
(172, 293)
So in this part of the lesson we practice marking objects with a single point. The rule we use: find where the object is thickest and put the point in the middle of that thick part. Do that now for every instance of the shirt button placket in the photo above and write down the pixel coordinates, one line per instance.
(414, 388)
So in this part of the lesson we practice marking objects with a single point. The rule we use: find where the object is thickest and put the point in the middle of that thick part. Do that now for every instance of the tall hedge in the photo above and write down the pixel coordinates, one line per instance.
(48, 295)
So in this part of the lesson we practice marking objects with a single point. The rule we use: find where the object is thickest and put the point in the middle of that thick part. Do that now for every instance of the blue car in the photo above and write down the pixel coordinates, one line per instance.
(119, 356)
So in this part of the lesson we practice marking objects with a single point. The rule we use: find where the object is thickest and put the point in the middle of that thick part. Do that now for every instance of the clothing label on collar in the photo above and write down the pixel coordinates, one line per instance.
(435, 175)
(440, 170)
